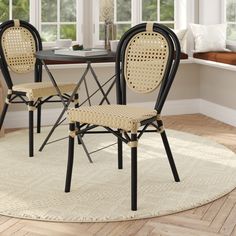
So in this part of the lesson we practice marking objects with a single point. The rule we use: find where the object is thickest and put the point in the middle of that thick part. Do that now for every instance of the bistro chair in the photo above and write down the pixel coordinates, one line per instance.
(147, 58)
(19, 41)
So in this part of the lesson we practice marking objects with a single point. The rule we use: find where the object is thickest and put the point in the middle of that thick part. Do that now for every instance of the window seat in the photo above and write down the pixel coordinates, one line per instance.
(183, 56)
(222, 57)
(221, 60)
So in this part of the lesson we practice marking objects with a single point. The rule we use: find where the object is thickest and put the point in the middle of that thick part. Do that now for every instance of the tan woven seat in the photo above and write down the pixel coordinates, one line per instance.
(42, 89)
(115, 116)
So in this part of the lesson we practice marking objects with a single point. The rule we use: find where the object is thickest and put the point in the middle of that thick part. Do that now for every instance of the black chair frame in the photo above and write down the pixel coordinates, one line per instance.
(17, 97)
(126, 137)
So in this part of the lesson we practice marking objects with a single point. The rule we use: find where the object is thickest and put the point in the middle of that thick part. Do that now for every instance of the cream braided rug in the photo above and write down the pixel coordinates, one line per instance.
(33, 188)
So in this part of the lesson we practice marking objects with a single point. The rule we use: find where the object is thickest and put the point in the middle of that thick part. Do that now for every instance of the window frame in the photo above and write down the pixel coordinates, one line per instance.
(158, 14)
(88, 16)
(181, 16)
(224, 21)
(10, 10)
(95, 5)
(35, 19)
(78, 22)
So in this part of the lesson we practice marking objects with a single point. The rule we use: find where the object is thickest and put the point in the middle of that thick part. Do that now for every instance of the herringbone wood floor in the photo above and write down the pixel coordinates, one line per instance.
(216, 218)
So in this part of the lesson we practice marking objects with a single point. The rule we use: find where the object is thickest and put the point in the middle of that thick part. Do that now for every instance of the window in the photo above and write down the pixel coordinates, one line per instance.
(162, 11)
(58, 20)
(55, 19)
(117, 14)
(230, 19)
(122, 14)
(14, 9)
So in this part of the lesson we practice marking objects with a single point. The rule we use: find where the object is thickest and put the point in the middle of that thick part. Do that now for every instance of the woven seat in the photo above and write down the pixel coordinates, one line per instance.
(147, 58)
(19, 41)
(115, 116)
(42, 89)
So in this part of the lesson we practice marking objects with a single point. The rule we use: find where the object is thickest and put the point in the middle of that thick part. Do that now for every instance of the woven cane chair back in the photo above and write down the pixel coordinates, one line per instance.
(18, 45)
(146, 57)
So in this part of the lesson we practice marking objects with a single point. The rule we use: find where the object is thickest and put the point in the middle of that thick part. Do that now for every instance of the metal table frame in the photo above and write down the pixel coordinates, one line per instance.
(48, 57)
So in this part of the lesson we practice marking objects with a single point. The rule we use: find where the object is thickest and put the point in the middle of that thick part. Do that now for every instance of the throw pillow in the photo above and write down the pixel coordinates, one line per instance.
(209, 37)
(182, 36)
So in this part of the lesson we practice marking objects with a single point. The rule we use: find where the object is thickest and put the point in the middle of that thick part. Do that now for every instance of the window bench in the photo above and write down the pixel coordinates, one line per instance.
(222, 60)
(222, 57)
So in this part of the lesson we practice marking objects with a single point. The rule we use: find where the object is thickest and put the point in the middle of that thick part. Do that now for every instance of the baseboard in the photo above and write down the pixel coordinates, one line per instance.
(19, 119)
(218, 112)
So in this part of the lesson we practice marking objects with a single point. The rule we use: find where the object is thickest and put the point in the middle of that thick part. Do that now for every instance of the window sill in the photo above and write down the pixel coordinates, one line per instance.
(214, 64)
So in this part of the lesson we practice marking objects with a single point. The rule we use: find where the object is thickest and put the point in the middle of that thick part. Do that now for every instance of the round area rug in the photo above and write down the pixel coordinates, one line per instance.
(33, 188)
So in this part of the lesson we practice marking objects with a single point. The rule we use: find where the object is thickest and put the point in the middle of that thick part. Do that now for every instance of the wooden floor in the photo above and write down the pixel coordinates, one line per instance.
(216, 218)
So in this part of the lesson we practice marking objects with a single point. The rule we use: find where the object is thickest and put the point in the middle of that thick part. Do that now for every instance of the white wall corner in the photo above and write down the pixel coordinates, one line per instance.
(218, 112)
(18, 119)
(208, 16)
(174, 107)
(178, 107)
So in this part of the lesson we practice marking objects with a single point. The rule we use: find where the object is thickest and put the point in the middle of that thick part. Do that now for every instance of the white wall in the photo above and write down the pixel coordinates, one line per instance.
(210, 11)
(218, 86)
(192, 82)
(185, 86)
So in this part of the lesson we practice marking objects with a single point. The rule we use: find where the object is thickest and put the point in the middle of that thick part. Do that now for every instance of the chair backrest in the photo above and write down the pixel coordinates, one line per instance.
(147, 57)
(19, 41)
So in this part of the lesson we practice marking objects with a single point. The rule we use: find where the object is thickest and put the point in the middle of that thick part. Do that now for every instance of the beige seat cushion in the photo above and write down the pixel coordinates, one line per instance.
(42, 89)
(114, 116)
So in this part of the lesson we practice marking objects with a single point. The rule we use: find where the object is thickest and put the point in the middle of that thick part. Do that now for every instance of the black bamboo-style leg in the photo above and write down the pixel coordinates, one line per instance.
(31, 128)
(76, 101)
(4, 111)
(76, 104)
(134, 173)
(120, 153)
(169, 155)
(39, 109)
(70, 158)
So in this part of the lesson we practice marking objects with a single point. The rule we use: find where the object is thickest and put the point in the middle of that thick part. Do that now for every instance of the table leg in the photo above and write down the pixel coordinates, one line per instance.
(98, 83)
(66, 105)
(1, 107)
(90, 96)
(53, 128)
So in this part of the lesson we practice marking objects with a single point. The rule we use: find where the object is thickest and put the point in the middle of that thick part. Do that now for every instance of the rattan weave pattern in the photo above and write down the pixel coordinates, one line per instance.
(19, 48)
(42, 89)
(146, 57)
(114, 116)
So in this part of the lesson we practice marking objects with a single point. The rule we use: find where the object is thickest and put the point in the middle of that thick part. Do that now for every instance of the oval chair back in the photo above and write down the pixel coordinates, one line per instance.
(148, 56)
(19, 41)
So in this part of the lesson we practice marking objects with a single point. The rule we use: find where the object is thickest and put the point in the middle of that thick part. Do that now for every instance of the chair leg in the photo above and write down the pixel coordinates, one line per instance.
(70, 158)
(120, 153)
(31, 128)
(134, 173)
(76, 100)
(76, 104)
(4, 111)
(39, 119)
(170, 157)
